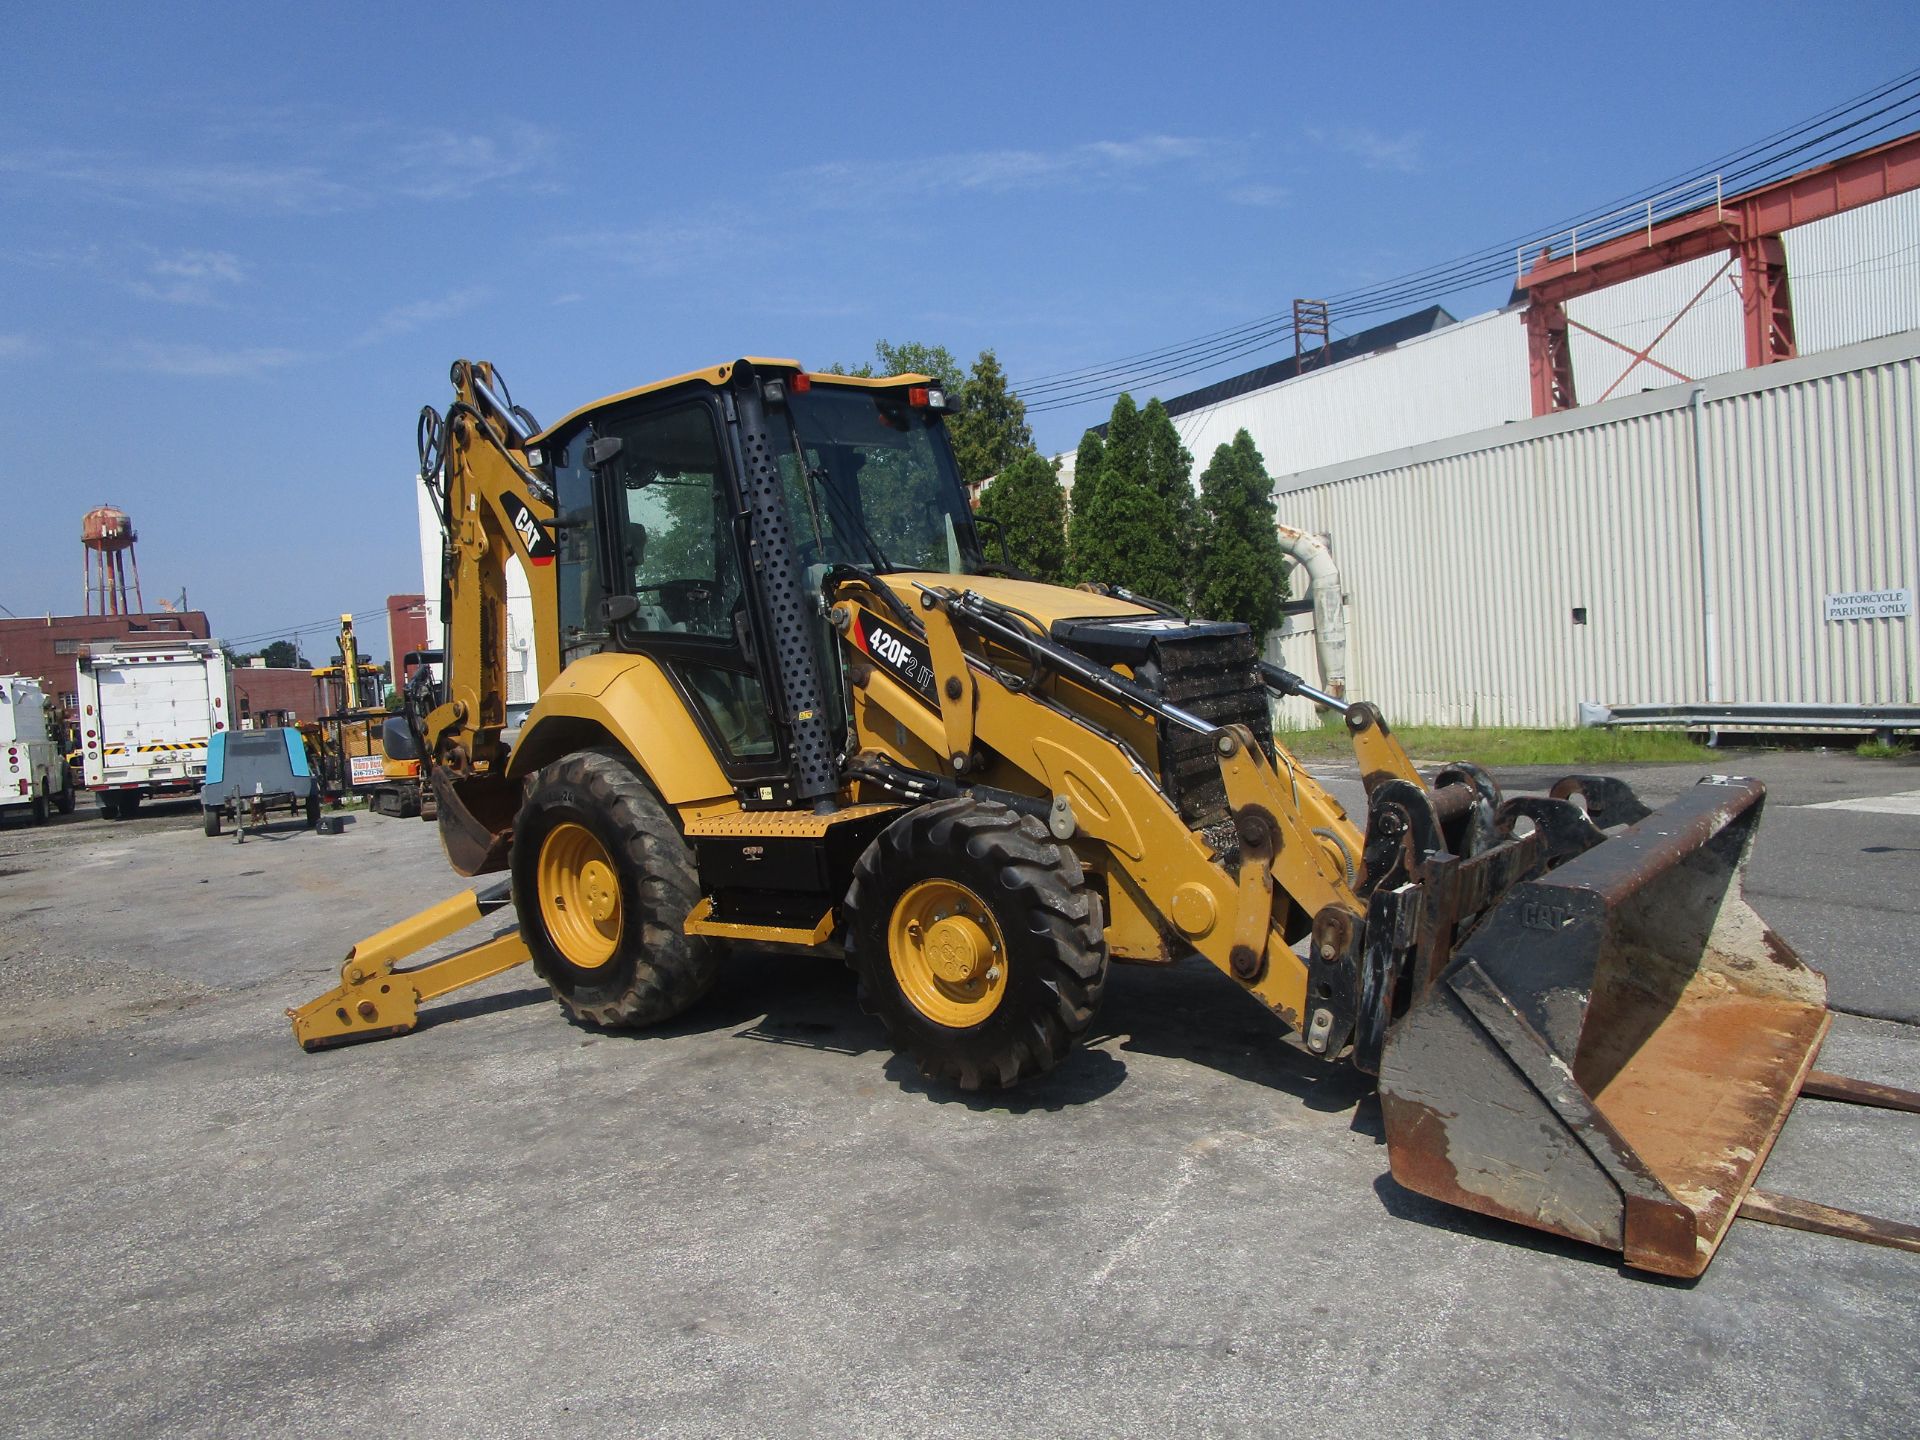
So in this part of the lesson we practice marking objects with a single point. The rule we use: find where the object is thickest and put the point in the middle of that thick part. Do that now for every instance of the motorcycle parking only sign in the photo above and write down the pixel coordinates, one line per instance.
(1870, 605)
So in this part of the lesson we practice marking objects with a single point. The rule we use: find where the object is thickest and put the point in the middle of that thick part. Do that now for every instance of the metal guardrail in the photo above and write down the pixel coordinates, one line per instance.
(1641, 215)
(1755, 716)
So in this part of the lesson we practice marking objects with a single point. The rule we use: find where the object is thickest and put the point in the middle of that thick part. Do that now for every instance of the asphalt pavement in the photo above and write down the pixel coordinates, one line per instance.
(757, 1221)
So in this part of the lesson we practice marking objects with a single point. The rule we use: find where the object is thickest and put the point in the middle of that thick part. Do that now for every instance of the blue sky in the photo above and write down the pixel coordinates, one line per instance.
(239, 246)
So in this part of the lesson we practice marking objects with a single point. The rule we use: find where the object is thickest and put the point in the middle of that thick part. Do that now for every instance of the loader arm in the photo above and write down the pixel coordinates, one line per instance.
(494, 507)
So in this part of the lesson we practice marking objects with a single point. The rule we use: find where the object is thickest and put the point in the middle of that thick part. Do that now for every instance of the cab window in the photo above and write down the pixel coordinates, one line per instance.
(673, 547)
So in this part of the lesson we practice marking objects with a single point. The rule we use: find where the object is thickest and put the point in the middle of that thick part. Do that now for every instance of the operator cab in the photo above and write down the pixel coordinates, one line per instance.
(676, 540)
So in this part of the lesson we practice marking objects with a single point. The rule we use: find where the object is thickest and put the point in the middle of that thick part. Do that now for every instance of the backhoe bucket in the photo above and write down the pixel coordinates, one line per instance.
(1611, 1054)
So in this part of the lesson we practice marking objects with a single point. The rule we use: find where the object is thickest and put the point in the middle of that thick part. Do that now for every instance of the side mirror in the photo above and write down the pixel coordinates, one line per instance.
(615, 608)
(602, 449)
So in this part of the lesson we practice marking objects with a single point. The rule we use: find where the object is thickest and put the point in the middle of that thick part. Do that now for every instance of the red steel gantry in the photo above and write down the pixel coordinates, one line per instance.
(1747, 227)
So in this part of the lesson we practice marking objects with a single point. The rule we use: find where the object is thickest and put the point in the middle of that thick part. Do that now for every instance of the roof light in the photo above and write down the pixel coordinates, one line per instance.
(802, 383)
(936, 399)
(917, 396)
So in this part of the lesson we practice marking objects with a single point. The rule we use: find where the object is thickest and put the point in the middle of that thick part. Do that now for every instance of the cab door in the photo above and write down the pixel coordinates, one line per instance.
(669, 543)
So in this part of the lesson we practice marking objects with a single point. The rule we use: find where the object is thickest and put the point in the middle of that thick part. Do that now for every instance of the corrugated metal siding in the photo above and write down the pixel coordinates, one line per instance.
(1856, 275)
(1463, 566)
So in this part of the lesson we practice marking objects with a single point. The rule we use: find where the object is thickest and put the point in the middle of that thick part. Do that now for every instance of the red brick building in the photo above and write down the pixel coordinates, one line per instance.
(406, 629)
(286, 697)
(49, 647)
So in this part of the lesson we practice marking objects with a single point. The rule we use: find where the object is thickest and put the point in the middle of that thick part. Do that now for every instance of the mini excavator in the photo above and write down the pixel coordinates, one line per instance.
(788, 700)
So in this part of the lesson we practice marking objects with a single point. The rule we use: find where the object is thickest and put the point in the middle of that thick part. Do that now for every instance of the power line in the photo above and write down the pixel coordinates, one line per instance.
(1791, 148)
(288, 632)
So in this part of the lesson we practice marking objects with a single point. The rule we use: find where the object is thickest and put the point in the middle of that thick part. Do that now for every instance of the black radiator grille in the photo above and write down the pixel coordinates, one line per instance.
(1208, 668)
(1218, 679)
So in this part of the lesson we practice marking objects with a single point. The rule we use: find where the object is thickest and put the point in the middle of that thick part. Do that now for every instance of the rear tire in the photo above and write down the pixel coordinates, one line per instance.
(313, 810)
(64, 800)
(603, 883)
(213, 822)
(977, 942)
(42, 807)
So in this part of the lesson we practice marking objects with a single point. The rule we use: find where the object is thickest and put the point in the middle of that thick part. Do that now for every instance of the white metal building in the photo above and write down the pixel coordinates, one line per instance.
(1504, 577)
(1469, 534)
(1855, 276)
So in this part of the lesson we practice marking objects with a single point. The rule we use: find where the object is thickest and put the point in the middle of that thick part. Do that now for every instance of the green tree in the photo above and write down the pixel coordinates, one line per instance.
(1030, 505)
(1125, 531)
(1082, 544)
(285, 655)
(990, 432)
(1169, 468)
(912, 358)
(1242, 573)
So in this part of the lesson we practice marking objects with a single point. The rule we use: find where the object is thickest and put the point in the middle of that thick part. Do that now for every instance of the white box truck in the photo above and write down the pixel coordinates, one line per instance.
(146, 710)
(35, 780)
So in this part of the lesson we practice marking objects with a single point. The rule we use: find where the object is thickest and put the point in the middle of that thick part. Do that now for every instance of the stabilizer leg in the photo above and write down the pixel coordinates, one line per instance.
(376, 999)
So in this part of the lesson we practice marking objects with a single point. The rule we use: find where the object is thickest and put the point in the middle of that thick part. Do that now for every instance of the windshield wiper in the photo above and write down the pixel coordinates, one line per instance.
(846, 519)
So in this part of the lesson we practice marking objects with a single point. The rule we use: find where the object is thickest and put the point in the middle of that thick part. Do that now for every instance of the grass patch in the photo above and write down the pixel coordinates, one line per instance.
(1883, 749)
(1488, 746)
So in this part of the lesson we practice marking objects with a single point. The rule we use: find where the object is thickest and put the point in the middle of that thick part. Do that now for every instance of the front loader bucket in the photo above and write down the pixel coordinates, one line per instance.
(1611, 1054)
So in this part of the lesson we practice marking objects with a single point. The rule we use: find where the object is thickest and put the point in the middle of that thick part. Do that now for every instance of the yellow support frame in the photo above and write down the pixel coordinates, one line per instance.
(1235, 919)
(376, 998)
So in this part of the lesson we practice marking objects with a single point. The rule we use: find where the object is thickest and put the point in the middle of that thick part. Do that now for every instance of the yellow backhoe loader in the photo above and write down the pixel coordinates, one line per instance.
(788, 700)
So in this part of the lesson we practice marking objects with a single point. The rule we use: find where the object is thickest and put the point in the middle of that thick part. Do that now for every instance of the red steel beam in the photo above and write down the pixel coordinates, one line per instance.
(1877, 174)
(1749, 224)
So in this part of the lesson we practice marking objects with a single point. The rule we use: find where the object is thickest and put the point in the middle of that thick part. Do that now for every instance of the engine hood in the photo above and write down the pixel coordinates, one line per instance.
(1045, 603)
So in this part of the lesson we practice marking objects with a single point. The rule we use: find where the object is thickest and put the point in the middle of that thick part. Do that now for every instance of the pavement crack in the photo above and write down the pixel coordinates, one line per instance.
(1128, 1248)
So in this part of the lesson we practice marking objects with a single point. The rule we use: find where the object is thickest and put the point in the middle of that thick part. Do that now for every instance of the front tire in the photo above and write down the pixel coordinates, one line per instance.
(313, 810)
(64, 800)
(977, 942)
(603, 882)
(212, 825)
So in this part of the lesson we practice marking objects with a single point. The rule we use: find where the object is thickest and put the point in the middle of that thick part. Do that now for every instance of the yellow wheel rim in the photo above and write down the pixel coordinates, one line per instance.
(948, 954)
(579, 896)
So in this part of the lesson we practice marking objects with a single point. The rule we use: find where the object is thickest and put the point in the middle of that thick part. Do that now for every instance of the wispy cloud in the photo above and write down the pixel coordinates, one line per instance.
(311, 167)
(1264, 196)
(1373, 149)
(17, 347)
(190, 277)
(127, 177)
(404, 319)
(664, 247)
(1095, 164)
(197, 361)
(449, 165)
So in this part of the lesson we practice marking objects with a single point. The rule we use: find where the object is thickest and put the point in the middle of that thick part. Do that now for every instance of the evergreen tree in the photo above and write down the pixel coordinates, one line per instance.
(990, 432)
(1028, 501)
(1088, 463)
(1170, 473)
(1125, 531)
(1242, 572)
